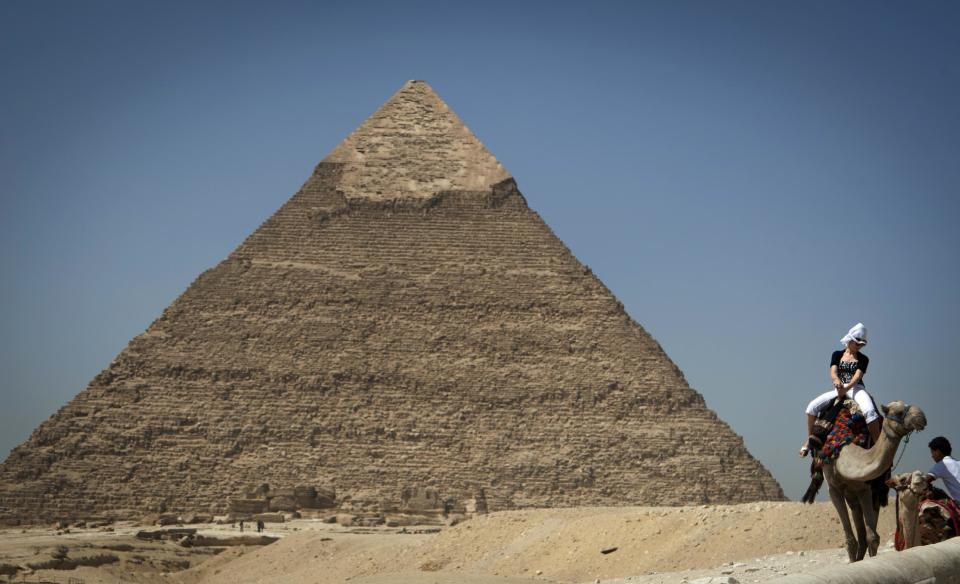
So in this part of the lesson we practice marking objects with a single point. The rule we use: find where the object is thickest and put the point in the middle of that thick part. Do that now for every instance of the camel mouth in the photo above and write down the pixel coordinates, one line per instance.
(915, 419)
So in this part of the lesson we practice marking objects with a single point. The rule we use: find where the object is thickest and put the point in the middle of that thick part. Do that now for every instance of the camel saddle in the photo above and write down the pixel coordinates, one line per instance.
(939, 517)
(849, 427)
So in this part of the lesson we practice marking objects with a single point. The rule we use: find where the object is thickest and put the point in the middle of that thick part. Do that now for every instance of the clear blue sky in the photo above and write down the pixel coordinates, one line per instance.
(750, 179)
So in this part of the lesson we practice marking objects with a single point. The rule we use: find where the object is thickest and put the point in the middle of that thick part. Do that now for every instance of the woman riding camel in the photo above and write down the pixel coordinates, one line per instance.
(847, 369)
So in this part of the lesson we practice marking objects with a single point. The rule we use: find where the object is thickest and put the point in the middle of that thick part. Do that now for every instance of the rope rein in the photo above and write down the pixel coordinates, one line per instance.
(906, 441)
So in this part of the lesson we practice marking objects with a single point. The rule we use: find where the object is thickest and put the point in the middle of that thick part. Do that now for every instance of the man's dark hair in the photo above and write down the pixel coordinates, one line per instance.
(942, 444)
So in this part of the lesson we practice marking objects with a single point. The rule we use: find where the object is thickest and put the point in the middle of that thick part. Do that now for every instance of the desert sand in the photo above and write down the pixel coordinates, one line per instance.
(745, 543)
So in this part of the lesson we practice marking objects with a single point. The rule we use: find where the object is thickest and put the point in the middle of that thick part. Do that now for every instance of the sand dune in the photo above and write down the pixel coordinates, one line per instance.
(553, 545)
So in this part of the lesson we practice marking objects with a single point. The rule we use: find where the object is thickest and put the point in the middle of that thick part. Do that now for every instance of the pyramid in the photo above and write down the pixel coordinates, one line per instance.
(404, 321)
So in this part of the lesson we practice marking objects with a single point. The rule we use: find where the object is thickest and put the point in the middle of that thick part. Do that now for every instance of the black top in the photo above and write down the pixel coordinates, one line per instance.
(846, 369)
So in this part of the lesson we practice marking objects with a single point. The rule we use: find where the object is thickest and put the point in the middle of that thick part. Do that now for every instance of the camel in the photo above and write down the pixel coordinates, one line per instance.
(849, 475)
(911, 488)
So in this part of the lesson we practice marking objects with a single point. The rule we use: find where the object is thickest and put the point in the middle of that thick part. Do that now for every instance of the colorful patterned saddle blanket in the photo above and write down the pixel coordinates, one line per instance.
(850, 427)
(939, 520)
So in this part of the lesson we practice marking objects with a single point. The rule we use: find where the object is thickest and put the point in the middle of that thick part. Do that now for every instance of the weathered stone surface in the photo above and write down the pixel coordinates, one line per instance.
(217, 541)
(268, 517)
(191, 518)
(346, 520)
(314, 498)
(283, 504)
(404, 319)
(477, 505)
(161, 534)
(74, 563)
(168, 519)
(249, 506)
(413, 148)
(417, 500)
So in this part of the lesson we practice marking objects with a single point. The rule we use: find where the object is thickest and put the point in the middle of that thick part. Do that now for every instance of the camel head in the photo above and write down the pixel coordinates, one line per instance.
(909, 481)
(902, 419)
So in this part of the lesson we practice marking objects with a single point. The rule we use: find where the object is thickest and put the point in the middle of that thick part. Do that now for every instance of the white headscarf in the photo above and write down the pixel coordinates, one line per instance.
(857, 334)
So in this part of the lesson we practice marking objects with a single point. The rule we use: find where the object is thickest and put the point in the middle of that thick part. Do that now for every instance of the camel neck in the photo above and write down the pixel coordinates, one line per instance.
(856, 463)
(886, 448)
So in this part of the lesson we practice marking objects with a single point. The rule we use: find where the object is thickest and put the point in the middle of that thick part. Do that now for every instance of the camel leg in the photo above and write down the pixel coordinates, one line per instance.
(870, 516)
(841, 505)
(909, 504)
(856, 509)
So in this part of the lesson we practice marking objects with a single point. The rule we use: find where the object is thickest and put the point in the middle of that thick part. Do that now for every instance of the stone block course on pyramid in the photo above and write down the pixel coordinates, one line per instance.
(404, 320)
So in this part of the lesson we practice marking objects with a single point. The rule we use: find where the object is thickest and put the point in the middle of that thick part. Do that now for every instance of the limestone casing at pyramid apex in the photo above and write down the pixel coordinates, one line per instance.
(413, 147)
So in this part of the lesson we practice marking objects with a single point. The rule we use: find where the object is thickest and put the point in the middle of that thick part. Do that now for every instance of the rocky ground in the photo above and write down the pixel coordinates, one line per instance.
(670, 545)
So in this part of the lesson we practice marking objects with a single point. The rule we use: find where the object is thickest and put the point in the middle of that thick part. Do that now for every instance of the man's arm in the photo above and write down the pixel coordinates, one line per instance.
(937, 471)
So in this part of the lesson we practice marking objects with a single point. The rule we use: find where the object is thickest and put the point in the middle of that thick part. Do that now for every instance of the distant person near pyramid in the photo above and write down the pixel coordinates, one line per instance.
(404, 322)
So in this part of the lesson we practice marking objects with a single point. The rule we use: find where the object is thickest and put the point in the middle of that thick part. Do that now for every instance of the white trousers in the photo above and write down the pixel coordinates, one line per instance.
(857, 392)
